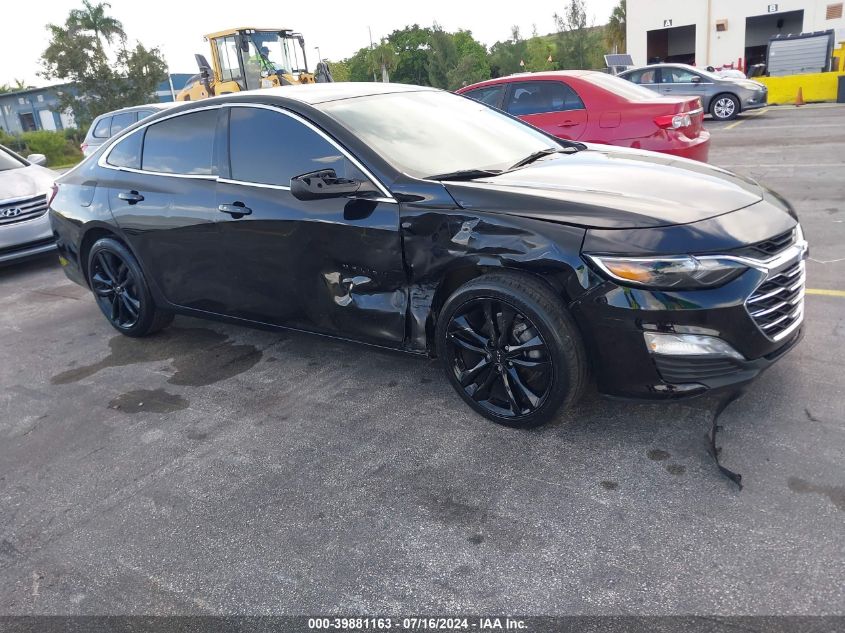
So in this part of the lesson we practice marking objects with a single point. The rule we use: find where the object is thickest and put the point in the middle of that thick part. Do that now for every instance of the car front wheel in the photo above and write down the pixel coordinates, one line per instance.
(724, 107)
(511, 350)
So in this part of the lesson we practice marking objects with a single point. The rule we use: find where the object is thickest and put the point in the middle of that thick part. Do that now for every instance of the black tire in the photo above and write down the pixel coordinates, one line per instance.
(724, 107)
(536, 355)
(121, 291)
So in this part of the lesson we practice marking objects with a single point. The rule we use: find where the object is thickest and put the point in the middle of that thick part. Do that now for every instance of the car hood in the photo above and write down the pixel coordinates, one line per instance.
(25, 181)
(610, 187)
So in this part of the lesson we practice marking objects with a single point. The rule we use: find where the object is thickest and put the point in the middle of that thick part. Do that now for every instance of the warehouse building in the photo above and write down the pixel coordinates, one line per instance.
(722, 32)
(38, 108)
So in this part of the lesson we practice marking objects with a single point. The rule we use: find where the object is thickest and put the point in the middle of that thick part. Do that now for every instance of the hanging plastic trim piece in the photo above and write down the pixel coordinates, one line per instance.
(715, 450)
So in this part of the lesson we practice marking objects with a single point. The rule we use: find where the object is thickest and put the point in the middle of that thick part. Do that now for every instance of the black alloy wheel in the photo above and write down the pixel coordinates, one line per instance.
(510, 349)
(499, 357)
(116, 289)
(121, 292)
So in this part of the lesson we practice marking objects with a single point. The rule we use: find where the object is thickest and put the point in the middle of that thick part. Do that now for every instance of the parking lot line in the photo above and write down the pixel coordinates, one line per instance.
(735, 123)
(825, 292)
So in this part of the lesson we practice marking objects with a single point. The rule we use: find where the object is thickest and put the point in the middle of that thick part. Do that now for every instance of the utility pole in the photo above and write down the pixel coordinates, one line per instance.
(371, 50)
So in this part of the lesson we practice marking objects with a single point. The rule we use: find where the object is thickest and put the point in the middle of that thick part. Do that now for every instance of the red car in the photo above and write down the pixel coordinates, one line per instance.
(594, 107)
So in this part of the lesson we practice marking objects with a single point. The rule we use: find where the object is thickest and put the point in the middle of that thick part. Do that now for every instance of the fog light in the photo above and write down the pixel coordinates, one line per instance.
(688, 345)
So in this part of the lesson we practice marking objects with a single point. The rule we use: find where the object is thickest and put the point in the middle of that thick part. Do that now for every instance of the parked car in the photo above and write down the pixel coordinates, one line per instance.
(599, 108)
(107, 125)
(418, 220)
(24, 223)
(722, 97)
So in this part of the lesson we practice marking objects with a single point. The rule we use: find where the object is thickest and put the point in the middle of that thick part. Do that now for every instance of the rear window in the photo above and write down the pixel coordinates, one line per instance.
(620, 87)
(101, 130)
(181, 145)
(122, 121)
(535, 97)
(127, 152)
(491, 95)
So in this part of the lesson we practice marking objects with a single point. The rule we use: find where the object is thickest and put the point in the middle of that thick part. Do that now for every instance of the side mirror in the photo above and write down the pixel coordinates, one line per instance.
(321, 185)
(37, 159)
(695, 79)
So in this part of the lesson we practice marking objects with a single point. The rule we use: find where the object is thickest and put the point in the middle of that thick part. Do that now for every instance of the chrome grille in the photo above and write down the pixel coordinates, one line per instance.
(769, 247)
(777, 305)
(22, 209)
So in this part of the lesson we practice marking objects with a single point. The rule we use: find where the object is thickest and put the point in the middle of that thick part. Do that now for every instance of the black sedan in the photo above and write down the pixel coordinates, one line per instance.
(418, 220)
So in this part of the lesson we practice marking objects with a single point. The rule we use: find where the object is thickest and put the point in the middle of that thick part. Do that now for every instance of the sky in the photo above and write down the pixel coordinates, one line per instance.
(339, 28)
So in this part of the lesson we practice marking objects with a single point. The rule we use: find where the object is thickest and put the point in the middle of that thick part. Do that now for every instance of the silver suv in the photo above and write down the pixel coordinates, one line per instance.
(107, 125)
(722, 97)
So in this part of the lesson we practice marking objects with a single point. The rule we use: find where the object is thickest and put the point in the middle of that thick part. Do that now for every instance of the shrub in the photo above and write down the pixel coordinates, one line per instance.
(52, 144)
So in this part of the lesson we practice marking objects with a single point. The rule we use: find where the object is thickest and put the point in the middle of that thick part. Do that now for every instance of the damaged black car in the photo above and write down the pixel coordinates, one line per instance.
(423, 221)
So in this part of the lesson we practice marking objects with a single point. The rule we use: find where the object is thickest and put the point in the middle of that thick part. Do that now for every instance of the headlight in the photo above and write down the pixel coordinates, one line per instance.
(675, 272)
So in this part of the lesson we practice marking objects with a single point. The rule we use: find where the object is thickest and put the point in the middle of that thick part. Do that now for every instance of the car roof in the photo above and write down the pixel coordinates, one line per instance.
(323, 92)
(146, 106)
(662, 65)
(544, 74)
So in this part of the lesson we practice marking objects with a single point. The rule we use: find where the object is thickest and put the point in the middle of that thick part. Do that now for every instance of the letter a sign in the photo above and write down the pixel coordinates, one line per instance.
(667, 24)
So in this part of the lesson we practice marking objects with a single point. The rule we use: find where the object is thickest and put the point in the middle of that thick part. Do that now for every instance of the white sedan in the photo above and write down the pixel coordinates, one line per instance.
(24, 224)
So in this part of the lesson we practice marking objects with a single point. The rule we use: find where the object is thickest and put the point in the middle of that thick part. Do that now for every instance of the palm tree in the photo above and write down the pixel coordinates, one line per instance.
(93, 19)
(615, 30)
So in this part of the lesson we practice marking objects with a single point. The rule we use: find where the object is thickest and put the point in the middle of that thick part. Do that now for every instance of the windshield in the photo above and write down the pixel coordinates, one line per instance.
(8, 161)
(431, 132)
(274, 53)
(621, 87)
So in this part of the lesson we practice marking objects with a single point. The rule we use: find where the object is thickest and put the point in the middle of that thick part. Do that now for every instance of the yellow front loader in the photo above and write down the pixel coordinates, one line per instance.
(248, 58)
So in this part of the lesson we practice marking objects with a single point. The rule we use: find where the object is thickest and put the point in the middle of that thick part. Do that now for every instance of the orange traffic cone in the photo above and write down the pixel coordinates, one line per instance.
(799, 98)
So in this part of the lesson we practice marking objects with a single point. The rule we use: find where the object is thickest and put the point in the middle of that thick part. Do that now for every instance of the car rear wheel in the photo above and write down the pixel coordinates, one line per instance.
(724, 107)
(511, 350)
(121, 292)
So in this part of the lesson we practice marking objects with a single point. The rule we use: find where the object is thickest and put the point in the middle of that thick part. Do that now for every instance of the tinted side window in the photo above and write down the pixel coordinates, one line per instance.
(143, 114)
(121, 121)
(181, 145)
(534, 97)
(678, 76)
(645, 76)
(127, 153)
(491, 95)
(271, 148)
(101, 130)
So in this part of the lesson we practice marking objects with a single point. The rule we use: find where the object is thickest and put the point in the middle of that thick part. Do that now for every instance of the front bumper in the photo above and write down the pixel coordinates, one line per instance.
(24, 239)
(759, 99)
(613, 319)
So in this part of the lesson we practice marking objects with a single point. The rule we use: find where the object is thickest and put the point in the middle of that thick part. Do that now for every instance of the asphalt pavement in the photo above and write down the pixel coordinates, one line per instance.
(219, 469)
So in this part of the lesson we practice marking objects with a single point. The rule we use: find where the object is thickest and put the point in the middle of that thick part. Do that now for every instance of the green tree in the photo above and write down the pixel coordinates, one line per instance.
(19, 84)
(359, 66)
(615, 33)
(579, 45)
(92, 19)
(472, 65)
(340, 70)
(382, 59)
(443, 57)
(75, 54)
(505, 56)
(412, 45)
(540, 54)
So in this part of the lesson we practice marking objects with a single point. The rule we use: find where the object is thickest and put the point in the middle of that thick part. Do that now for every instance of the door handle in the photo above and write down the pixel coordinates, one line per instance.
(130, 196)
(568, 124)
(236, 209)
